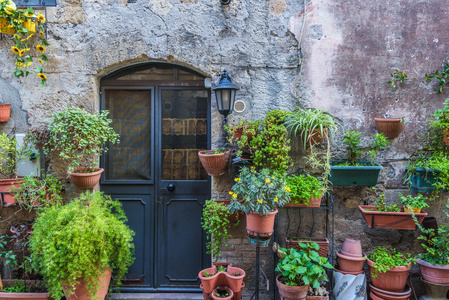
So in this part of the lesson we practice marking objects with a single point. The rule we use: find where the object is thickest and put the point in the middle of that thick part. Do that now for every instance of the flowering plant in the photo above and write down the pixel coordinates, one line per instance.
(24, 24)
(260, 192)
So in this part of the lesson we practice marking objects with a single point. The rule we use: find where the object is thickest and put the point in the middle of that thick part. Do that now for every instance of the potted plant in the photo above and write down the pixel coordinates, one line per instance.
(214, 161)
(76, 246)
(305, 191)
(26, 26)
(225, 276)
(390, 127)
(389, 216)
(32, 192)
(312, 125)
(413, 204)
(10, 155)
(222, 293)
(262, 192)
(358, 173)
(299, 270)
(76, 133)
(242, 134)
(389, 269)
(5, 112)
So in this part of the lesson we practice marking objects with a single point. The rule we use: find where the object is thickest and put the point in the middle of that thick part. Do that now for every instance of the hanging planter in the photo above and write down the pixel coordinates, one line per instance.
(390, 127)
(364, 174)
(86, 178)
(292, 242)
(389, 220)
(214, 163)
(423, 180)
(5, 112)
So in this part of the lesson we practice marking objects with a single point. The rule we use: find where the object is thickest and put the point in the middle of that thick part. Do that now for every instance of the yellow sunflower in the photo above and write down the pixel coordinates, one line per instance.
(42, 76)
(15, 50)
(40, 60)
(40, 48)
(22, 52)
(41, 32)
(41, 17)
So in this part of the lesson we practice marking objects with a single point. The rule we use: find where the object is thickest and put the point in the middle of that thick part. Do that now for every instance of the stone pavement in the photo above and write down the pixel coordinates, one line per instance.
(158, 296)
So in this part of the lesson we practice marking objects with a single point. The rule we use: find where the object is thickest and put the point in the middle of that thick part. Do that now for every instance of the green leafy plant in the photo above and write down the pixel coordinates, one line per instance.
(352, 141)
(10, 155)
(80, 240)
(304, 266)
(414, 202)
(8, 255)
(397, 76)
(75, 133)
(33, 192)
(215, 222)
(249, 129)
(260, 191)
(380, 143)
(304, 187)
(385, 259)
(436, 161)
(382, 206)
(441, 75)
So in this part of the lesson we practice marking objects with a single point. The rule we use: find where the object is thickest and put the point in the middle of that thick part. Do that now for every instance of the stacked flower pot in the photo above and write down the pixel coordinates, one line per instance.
(391, 285)
(230, 281)
(351, 258)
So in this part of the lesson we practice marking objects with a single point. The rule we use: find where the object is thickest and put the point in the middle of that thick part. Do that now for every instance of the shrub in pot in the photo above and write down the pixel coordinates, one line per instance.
(389, 269)
(299, 270)
(306, 191)
(80, 243)
(413, 204)
(76, 134)
(242, 134)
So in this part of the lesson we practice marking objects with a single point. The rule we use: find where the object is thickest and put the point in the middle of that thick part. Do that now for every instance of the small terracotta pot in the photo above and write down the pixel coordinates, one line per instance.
(382, 294)
(5, 112)
(227, 289)
(350, 263)
(313, 202)
(434, 273)
(80, 291)
(394, 280)
(214, 164)
(238, 132)
(352, 247)
(86, 180)
(6, 187)
(291, 292)
(390, 127)
(262, 224)
(350, 273)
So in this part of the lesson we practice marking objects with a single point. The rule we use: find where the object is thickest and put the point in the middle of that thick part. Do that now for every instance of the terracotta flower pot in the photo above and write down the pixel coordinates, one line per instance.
(86, 180)
(313, 202)
(214, 164)
(350, 273)
(434, 273)
(394, 280)
(235, 283)
(262, 224)
(5, 112)
(390, 127)
(222, 288)
(5, 187)
(352, 247)
(391, 220)
(238, 132)
(80, 291)
(350, 263)
(292, 242)
(291, 292)
(382, 294)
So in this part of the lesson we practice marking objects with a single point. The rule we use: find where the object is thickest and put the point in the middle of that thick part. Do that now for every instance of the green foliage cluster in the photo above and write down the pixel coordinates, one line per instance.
(352, 141)
(272, 143)
(10, 259)
(397, 76)
(437, 160)
(249, 130)
(385, 259)
(382, 206)
(304, 187)
(215, 222)
(80, 240)
(441, 121)
(262, 191)
(304, 266)
(33, 192)
(441, 75)
(414, 202)
(380, 143)
(10, 155)
(75, 133)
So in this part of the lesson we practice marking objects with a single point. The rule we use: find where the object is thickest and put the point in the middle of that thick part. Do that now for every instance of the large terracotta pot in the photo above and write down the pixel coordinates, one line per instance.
(262, 224)
(390, 127)
(291, 292)
(214, 164)
(394, 280)
(382, 294)
(5, 187)
(350, 263)
(313, 202)
(86, 180)
(5, 112)
(221, 288)
(80, 291)
(352, 247)
(434, 273)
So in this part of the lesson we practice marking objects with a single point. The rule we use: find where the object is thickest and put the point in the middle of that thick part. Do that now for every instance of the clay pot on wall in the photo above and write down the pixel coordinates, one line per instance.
(86, 180)
(5, 112)
(390, 127)
(214, 164)
(394, 280)
(291, 292)
(434, 273)
(80, 291)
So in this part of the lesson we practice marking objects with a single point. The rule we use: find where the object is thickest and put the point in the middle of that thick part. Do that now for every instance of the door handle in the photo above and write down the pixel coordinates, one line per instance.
(171, 187)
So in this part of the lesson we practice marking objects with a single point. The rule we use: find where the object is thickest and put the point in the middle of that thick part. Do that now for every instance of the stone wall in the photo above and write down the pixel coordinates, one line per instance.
(333, 55)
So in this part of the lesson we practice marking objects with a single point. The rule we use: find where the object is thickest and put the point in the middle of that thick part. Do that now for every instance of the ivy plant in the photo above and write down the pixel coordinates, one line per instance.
(75, 133)
(80, 240)
(304, 266)
(215, 222)
(441, 75)
(304, 187)
(385, 259)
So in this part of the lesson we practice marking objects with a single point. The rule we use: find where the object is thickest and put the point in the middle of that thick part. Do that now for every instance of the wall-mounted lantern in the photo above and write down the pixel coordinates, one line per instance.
(225, 95)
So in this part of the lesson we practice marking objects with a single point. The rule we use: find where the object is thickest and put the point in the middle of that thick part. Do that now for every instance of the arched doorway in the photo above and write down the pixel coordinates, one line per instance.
(162, 113)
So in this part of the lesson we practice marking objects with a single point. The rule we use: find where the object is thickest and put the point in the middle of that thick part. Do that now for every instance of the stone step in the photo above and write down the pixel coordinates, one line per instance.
(158, 296)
